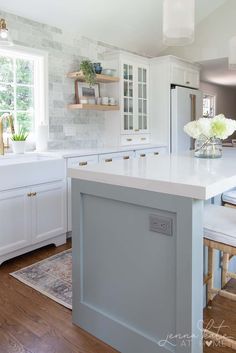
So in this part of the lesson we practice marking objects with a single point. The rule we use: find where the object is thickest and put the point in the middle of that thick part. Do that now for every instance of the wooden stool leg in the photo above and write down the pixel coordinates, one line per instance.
(225, 268)
(210, 285)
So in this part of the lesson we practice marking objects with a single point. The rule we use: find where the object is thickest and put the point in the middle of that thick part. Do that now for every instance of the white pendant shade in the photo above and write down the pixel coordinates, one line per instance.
(178, 22)
(232, 53)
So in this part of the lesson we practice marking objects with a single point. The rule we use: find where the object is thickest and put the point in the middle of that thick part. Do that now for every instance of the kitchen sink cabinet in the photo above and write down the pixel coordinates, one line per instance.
(15, 220)
(31, 217)
(48, 211)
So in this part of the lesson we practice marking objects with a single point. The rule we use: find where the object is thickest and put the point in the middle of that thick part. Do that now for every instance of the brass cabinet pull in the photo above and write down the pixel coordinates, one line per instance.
(143, 138)
(129, 140)
(126, 157)
(30, 194)
(108, 160)
(136, 130)
(143, 155)
(83, 163)
(156, 153)
(187, 82)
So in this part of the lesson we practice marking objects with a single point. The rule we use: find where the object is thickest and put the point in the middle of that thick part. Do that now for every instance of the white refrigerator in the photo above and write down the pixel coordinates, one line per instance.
(186, 105)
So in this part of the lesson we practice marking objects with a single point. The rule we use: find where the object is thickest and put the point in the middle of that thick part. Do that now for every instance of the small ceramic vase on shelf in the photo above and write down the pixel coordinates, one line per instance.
(208, 148)
(97, 68)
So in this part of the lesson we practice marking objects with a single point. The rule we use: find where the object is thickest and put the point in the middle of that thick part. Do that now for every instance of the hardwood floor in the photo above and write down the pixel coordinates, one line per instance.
(33, 323)
(222, 315)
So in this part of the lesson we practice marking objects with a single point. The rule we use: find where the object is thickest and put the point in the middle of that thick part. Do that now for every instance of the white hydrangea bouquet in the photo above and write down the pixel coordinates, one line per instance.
(208, 133)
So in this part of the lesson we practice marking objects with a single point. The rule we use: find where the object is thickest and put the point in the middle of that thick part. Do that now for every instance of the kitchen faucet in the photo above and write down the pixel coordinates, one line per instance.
(9, 118)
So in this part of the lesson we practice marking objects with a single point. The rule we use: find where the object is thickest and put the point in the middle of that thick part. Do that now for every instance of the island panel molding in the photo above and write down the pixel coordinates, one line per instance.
(125, 264)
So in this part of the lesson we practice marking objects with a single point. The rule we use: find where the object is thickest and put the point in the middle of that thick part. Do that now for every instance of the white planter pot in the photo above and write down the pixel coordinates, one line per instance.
(18, 147)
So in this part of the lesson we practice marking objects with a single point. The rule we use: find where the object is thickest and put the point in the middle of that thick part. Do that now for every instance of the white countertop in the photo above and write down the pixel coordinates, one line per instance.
(101, 150)
(182, 175)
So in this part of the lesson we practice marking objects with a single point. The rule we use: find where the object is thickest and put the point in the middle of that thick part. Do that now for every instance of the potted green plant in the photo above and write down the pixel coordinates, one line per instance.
(87, 67)
(18, 141)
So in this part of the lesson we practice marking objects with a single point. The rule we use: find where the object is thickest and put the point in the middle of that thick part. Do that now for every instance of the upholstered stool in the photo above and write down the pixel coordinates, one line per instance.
(219, 234)
(229, 198)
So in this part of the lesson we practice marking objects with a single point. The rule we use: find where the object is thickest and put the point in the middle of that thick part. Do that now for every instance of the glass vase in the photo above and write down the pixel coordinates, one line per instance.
(208, 147)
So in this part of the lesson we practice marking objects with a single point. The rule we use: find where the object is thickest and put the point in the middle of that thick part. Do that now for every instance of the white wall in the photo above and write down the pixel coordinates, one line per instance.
(211, 36)
(225, 98)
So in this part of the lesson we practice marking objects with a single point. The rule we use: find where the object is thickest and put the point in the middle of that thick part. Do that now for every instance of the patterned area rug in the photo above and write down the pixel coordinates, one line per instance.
(51, 277)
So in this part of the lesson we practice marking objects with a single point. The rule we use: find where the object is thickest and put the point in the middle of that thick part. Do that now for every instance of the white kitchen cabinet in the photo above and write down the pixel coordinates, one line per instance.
(31, 217)
(183, 75)
(15, 220)
(48, 211)
(134, 97)
(82, 161)
(133, 93)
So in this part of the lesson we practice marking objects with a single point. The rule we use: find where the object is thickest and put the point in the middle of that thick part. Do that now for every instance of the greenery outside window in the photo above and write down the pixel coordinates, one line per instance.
(23, 88)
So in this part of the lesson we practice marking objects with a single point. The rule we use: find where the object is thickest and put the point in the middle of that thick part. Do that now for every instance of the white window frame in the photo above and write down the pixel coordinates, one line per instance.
(40, 59)
(214, 97)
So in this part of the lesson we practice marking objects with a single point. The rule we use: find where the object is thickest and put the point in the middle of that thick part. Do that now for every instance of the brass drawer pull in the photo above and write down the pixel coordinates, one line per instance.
(143, 138)
(83, 164)
(187, 82)
(136, 130)
(126, 157)
(108, 160)
(143, 155)
(129, 140)
(156, 153)
(34, 193)
(29, 194)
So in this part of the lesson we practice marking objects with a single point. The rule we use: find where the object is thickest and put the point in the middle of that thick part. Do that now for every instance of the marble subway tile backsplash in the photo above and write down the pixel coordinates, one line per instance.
(67, 129)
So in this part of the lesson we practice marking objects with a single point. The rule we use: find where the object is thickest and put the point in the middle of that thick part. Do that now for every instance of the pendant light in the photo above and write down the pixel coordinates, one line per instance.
(232, 53)
(178, 22)
(5, 40)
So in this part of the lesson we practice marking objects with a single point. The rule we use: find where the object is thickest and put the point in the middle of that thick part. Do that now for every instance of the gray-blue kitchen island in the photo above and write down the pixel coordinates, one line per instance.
(138, 249)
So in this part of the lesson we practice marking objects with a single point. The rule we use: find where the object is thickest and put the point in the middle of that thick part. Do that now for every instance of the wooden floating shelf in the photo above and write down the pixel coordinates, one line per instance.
(94, 107)
(99, 78)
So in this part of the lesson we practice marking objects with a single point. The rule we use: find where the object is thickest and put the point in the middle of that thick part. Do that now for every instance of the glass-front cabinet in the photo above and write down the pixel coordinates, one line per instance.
(134, 93)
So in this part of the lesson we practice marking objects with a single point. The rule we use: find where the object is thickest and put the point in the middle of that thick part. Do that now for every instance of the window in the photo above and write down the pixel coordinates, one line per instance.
(208, 105)
(23, 88)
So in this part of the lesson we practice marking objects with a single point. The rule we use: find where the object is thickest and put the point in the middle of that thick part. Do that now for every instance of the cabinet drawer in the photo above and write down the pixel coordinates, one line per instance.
(82, 161)
(109, 157)
(127, 140)
(150, 152)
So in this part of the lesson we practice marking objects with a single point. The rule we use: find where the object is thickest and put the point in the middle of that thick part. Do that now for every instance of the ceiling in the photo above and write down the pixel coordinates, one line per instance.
(217, 71)
(128, 24)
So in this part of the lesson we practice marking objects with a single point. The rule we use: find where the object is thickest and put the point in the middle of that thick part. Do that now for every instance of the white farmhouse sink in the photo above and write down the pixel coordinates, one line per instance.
(29, 169)
(23, 158)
